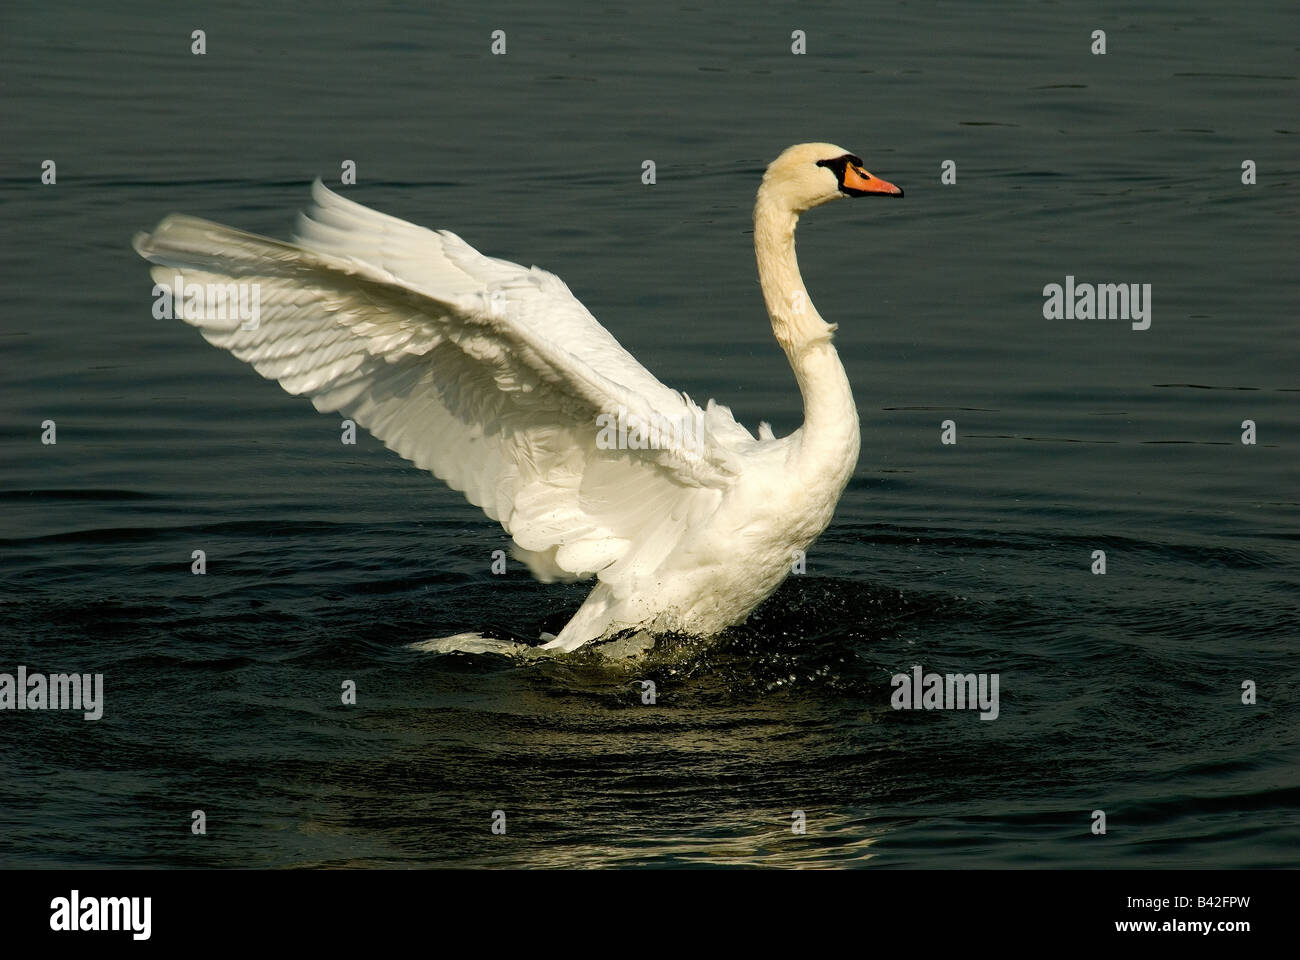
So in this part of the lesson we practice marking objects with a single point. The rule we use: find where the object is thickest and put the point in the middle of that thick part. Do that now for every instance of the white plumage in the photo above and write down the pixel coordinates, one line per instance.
(492, 376)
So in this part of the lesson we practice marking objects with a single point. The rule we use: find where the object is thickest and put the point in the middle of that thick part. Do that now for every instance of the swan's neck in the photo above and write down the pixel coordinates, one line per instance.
(830, 431)
(795, 320)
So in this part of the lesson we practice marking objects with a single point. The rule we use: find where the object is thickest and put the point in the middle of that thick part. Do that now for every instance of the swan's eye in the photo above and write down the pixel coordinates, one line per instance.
(838, 164)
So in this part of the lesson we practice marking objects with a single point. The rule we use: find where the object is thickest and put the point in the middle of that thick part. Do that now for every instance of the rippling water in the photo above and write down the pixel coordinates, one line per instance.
(1118, 692)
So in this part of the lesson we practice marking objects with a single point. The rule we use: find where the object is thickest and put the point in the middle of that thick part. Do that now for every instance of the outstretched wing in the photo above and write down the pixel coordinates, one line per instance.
(492, 376)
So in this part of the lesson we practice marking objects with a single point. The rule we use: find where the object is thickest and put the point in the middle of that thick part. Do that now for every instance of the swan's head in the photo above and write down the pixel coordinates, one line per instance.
(810, 174)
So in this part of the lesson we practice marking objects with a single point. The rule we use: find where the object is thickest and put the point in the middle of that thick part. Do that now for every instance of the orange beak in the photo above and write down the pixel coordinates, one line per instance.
(855, 178)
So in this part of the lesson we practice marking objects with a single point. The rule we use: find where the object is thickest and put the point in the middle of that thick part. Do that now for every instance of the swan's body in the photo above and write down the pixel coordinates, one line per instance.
(493, 376)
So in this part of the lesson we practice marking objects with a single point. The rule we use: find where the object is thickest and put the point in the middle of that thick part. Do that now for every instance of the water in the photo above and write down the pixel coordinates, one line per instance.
(1119, 692)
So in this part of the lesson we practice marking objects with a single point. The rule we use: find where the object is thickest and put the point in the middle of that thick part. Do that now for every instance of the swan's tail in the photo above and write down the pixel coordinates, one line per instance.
(628, 645)
(475, 643)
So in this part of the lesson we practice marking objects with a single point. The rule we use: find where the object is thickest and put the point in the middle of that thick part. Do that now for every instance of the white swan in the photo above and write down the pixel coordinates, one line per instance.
(498, 381)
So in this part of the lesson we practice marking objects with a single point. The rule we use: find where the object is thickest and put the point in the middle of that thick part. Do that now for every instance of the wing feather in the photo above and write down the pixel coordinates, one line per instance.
(488, 374)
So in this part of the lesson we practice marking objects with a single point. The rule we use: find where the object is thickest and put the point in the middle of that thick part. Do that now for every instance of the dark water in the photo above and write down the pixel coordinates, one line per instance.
(1119, 692)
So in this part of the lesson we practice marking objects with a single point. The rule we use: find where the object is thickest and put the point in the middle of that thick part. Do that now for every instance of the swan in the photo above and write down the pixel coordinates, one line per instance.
(497, 380)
